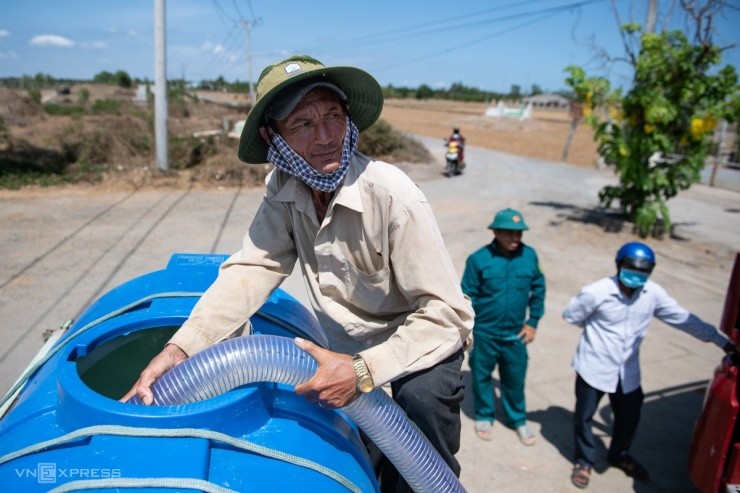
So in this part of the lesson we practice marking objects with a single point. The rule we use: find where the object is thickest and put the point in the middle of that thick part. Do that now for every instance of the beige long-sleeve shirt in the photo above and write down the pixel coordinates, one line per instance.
(377, 272)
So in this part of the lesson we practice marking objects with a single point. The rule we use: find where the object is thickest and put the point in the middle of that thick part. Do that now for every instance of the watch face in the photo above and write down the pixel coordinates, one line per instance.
(365, 384)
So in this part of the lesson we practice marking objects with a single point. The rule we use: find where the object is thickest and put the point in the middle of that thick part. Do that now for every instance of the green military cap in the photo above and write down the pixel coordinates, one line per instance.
(508, 219)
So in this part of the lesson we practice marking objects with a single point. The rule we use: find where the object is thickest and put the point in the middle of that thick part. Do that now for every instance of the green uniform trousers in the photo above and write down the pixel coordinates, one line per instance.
(511, 358)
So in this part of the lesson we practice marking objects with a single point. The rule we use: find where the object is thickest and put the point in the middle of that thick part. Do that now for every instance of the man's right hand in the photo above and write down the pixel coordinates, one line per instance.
(170, 357)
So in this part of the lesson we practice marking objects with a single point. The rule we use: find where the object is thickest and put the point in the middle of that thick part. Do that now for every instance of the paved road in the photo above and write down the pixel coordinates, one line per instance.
(61, 250)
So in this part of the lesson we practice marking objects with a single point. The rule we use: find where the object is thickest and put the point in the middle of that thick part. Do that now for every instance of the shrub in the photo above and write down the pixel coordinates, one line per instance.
(107, 106)
(83, 97)
(64, 110)
(187, 152)
(381, 141)
(22, 164)
(34, 93)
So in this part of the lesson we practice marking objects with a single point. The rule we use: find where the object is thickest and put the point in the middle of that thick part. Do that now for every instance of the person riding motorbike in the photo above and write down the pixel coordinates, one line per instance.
(458, 137)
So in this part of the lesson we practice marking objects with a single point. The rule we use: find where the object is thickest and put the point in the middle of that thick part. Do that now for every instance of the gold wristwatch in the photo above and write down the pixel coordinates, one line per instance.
(364, 379)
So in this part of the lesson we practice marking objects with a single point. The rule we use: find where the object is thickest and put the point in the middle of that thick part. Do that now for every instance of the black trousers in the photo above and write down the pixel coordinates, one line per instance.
(431, 399)
(626, 409)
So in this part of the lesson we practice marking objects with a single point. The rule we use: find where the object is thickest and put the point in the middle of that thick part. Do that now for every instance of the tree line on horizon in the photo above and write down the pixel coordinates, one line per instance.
(456, 92)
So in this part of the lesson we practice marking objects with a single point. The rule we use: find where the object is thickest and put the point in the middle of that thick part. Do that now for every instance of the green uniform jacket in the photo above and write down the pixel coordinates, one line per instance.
(502, 288)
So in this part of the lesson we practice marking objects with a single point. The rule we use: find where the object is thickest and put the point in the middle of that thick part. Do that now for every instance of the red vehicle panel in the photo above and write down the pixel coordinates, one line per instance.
(714, 461)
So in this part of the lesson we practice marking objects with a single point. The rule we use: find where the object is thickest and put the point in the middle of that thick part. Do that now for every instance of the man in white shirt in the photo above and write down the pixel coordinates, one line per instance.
(615, 313)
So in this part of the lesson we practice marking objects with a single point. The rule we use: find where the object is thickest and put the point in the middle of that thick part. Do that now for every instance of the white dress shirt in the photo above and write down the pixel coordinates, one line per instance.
(614, 326)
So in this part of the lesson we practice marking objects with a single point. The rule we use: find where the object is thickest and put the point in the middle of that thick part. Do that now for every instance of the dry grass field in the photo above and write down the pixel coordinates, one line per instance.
(123, 141)
(543, 136)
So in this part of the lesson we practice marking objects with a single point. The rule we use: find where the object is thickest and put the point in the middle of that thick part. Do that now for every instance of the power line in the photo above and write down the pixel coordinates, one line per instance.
(467, 43)
(229, 47)
(445, 21)
(541, 14)
(229, 44)
(430, 27)
(251, 11)
(415, 31)
(236, 7)
(221, 12)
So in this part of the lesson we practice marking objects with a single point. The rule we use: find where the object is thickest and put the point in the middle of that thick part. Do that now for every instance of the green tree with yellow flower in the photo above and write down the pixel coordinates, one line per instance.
(658, 135)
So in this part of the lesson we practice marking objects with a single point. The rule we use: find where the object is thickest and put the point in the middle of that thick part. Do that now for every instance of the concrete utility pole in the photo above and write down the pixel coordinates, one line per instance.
(247, 25)
(160, 86)
(652, 16)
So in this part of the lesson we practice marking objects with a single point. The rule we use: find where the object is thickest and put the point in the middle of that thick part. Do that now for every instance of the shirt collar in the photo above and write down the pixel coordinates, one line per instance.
(348, 193)
(497, 250)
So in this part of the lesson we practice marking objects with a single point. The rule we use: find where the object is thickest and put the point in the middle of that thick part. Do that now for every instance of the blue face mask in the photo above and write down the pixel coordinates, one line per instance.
(633, 279)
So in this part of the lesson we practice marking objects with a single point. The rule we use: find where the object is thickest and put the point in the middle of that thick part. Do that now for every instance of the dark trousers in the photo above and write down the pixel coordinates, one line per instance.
(431, 399)
(626, 410)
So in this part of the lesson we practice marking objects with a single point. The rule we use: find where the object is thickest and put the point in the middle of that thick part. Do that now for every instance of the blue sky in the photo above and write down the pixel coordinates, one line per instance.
(486, 44)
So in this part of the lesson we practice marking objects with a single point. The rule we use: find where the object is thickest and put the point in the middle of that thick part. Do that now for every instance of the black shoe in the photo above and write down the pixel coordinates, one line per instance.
(630, 466)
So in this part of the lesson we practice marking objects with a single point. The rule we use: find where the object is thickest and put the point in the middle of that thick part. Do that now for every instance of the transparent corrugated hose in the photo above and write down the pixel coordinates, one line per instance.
(266, 358)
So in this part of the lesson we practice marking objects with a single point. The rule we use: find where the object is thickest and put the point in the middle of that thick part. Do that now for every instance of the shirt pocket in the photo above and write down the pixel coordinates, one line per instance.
(373, 293)
(492, 282)
(522, 280)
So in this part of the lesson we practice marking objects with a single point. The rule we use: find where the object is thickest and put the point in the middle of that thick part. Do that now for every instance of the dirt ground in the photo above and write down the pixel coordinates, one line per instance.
(62, 248)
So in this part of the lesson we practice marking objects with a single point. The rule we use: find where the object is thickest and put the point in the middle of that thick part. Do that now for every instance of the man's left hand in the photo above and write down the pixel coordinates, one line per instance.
(527, 334)
(335, 382)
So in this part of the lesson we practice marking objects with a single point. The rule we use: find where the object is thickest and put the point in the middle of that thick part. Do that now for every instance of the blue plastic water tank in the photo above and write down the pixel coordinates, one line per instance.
(259, 437)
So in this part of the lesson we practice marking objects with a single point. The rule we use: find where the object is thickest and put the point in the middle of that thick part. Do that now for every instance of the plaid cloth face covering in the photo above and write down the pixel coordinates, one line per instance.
(286, 159)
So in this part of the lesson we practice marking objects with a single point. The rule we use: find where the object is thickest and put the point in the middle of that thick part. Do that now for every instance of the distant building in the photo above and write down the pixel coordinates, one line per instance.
(141, 94)
(523, 112)
(548, 101)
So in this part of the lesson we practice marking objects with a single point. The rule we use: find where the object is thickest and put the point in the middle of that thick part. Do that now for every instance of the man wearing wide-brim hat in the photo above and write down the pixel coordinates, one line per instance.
(375, 267)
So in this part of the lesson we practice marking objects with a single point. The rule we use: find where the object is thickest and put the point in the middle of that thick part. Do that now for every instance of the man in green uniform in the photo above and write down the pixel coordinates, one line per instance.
(503, 280)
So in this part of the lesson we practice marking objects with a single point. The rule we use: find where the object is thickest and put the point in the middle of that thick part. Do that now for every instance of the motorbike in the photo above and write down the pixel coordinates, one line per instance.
(454, 166)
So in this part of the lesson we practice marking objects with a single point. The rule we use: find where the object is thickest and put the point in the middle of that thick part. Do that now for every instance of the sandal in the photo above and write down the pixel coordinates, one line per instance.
(630, 466)
(483, 430)
(580, 476)
(525, 435)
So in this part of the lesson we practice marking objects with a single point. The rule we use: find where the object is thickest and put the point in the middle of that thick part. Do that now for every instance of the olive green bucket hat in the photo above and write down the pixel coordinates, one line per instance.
(508, 219)
(363, 93)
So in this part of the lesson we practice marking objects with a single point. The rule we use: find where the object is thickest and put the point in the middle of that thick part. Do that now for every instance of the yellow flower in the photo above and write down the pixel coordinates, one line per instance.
(587, 111)
(622, 150)
(697, 128)
(710, 124)
(615, 113)
(648, 128)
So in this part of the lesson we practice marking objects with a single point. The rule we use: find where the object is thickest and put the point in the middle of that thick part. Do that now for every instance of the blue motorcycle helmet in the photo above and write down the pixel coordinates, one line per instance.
(637, 256)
